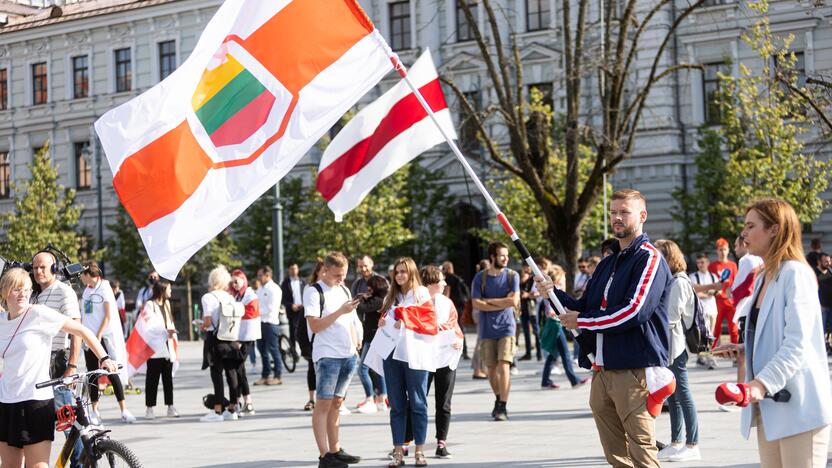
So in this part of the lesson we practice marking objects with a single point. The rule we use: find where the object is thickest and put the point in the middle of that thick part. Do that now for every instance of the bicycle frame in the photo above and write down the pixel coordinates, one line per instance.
(81, 428)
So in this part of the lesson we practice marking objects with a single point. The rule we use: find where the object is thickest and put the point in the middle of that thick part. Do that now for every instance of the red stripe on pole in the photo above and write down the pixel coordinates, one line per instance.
(403, 115)
(506, 225)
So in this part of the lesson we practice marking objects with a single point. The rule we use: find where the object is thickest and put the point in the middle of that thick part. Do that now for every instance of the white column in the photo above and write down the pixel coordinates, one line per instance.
(696, 92)
(809, 53)
(735, 59)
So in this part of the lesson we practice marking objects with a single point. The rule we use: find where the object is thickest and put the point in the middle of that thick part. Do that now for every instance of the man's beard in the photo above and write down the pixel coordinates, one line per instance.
(499, 265)
(627, 232)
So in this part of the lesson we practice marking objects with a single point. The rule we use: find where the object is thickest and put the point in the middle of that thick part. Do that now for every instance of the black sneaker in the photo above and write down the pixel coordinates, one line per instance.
(526, 357)
(500, 413)
(329, 461)
(442, 452)
(496, 405)
(343, 456)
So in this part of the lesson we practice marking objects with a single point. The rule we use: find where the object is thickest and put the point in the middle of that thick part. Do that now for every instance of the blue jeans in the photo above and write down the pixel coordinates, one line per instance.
(681, 404)
(269, 347)
(380, 388)
(407, 387)
(63, 396)
(334, 376)
(565, 357)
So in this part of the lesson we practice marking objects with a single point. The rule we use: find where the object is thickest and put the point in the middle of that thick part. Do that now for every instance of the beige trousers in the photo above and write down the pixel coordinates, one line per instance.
(805, 450)
(627, 431)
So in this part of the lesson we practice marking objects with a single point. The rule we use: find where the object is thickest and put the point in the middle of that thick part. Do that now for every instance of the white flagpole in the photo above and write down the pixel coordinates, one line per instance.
(507, 227)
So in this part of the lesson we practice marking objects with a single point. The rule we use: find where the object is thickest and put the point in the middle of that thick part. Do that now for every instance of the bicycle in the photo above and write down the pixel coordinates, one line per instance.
(98, 449)
(288, 353)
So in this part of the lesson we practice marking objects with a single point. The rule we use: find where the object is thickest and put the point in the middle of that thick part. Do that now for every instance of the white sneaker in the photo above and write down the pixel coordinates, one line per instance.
(172, 413)
(382, 406)
(212, 416)
(149, 413)
(729, 408)
(344, 410)
(95, 418)
(367, 407)
(557, 370)
(229, 416)
(669, 451)
(127, 417)
(686, 454)
(515, 371)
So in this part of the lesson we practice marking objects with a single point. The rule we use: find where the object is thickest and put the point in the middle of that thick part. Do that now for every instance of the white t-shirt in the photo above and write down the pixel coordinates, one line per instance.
(120, 300)
(211, 305)
(422, 295)
(26, 361)
(62, 298)
(270, 295)
(709, 303)
(92, 308)
(336, 340)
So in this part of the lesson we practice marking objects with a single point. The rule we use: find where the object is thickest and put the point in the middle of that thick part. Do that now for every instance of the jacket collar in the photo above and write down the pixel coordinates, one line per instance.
(616, 248)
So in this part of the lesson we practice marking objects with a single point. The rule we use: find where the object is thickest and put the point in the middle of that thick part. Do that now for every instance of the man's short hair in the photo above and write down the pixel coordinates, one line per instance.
(594, 260)
(430, 274)
(702, 255)
(265, 270)
(822, 254)
(365, 257)
(629, 194)
(815, 243)
(335, 259)
(92, 268)
(494, 247)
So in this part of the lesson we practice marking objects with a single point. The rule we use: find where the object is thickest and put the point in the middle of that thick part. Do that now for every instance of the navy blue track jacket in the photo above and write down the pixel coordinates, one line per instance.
(626, 301)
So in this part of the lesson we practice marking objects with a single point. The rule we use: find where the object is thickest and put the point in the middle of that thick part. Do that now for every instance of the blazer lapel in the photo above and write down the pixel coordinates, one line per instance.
(772, 290)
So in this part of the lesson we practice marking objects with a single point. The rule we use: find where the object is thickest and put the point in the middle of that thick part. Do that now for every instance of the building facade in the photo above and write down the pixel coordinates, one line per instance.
(64, 63)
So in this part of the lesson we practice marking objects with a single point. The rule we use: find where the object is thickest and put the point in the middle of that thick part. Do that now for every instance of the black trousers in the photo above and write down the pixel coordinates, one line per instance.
(445, 379)
(92, 364)
(311, 379)
(159, 367)
(242, 378)
(231, 368)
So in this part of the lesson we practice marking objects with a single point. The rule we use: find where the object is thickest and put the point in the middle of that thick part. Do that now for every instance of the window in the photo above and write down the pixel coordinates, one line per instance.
(467, 127)
(80, 77)
(399, 14)
(167, 58)
(4, 89)
(83, 166)
(5, 175)
(546, 89)
(40, 83)
(464, 32)
(711, 87)
(538, 15)
(124, 74)
(709, 3)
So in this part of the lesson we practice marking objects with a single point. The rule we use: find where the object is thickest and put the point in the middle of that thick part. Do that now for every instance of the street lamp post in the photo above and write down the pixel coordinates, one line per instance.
(277, 233)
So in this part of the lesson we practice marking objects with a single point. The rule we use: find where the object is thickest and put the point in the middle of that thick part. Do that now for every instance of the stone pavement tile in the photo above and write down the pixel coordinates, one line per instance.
(547, 428)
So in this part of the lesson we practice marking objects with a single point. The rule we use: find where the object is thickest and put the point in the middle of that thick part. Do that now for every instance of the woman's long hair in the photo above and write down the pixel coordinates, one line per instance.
(672, 255)
(379, 285)
(238, 273)
(395, 289)
(159, 289)
(316, 272)
(787, 244)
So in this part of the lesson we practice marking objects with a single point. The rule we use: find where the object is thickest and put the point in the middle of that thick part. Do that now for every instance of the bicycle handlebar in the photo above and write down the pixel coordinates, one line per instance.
(72, 378)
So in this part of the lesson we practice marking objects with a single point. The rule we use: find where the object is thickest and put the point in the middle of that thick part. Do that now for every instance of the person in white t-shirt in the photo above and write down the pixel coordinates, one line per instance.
(706, 285)
(336, 334)
(99, 314)
(214, 353)
(27, 414)
(269, 295)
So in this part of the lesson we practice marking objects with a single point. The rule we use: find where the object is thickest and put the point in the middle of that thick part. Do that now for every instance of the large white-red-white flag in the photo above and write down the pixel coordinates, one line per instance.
(382, 138)
(150, 336)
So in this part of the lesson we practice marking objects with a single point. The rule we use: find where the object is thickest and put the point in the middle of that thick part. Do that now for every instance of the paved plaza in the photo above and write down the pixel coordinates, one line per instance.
(547, 428)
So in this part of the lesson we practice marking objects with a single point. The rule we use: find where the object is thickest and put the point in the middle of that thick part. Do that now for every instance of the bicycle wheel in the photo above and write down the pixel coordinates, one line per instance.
(113, 454)
(287, 354)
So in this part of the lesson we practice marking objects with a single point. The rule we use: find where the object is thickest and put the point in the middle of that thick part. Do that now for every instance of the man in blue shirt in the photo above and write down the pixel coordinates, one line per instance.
(495, 292)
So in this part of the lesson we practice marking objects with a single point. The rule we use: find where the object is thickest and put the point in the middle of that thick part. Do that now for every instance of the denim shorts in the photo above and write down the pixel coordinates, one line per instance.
(334, 376)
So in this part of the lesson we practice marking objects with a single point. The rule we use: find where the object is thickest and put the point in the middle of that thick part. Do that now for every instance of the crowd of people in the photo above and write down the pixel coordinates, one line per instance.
(628, 317)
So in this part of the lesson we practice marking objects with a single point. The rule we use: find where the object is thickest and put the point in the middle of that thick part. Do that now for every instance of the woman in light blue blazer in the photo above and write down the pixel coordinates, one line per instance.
(784, 347)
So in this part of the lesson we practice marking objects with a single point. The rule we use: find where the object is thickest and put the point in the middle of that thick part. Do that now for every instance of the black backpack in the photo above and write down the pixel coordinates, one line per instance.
(301, 332)
(698, 337)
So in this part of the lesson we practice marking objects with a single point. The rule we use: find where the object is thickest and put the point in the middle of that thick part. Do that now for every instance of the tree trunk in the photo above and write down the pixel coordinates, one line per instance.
(569, 246)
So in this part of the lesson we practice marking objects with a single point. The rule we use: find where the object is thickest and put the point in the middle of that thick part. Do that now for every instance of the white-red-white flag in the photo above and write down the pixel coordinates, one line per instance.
(383, 137)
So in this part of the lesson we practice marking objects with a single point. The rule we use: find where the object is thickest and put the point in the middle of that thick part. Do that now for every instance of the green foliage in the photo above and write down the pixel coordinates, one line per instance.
(126, 254)
(377, 224)
(253, 232)
(709, 210)
(44, 213)
(765, 128)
